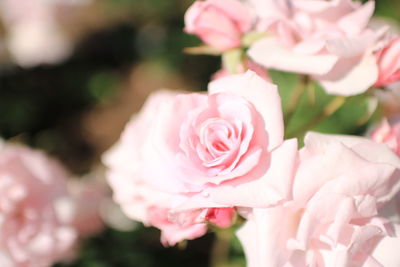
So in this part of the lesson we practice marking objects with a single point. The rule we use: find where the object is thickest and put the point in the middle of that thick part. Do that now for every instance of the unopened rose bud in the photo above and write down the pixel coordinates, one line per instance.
(389, 63)
(219, 23)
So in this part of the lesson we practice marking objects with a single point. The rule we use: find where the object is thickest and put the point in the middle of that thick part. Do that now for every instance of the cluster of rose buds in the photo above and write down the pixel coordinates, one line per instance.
(191, 160)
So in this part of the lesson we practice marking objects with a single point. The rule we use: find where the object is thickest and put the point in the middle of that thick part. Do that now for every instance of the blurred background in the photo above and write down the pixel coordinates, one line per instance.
(73, 72)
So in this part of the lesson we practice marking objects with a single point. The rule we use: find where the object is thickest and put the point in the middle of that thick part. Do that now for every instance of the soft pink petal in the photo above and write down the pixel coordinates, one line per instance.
(387, 250)
(247, 235)
(361, 74)
(235, 9)
(270, 53)
(264, 235)
(346, 47)
(356, 21)
(263, 95)
(276, 184)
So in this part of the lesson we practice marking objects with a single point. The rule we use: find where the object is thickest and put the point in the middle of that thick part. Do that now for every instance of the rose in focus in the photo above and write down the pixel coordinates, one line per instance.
(199, 154)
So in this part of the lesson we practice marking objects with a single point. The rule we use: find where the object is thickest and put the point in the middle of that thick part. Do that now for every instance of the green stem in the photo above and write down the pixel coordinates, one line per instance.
(294, 98)
(220, 249)
(331, 108)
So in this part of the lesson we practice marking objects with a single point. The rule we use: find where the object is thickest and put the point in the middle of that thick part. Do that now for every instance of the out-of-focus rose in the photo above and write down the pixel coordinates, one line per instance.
(332, 220)
(33, 234)
(47, 39)
(33, 32)
(389, 63)
(204, 153)
(219, 23)
(389, 134)
(328, 40)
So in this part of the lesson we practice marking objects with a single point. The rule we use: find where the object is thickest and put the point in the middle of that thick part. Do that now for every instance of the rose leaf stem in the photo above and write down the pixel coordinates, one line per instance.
(220, 249)
(329, 109)
(295, 96)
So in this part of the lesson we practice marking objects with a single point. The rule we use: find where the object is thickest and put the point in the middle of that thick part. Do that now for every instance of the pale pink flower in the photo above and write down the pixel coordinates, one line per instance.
(389, 63)
(219, 23)
(33, 31)
(332, 220)
(33, 234)
(328, 40)
(388, 132)
(204, 153)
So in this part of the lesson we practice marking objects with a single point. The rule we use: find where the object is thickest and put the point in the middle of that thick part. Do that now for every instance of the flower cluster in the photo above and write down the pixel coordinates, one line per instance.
(330, 41)
(191, 162)
(187, 161)
(191, 159)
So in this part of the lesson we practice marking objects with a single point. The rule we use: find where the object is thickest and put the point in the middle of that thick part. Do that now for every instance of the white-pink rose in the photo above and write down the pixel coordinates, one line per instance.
(333, 219)
(33, 233)
(201, 154)
(389, 63)
(219, 23)
(328, 40)
(389, 134)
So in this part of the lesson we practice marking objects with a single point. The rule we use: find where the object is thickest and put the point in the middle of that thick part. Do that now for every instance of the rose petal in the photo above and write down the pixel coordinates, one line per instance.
(270, 53)
(263, 95)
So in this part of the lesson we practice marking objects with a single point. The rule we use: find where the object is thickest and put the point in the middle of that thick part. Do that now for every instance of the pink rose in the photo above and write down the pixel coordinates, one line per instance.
(389, 63)
(328, 40)
(333, 219)
(138, 199)
(389, 134)
(204, 153)
(219, 23)
(33, 232)
(34, 34)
